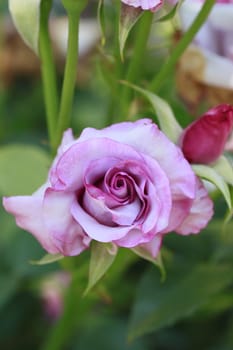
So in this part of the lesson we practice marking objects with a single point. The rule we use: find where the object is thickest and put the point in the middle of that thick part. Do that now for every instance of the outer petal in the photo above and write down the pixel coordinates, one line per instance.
(150, 249)
(72, 165)
(134, 238)
(66, 233)
(28, 213)
(46, 214)
(67, 141)
(200, 214)
(180, 210)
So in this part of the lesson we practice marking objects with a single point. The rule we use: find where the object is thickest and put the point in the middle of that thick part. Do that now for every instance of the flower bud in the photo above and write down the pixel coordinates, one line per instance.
(204, 140)
(26, 17)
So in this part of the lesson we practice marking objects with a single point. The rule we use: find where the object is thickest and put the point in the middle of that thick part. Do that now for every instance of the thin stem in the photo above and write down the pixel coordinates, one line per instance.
(48, 72)
(182, 45)
(118, 67)
(70, 75)
(134, 69)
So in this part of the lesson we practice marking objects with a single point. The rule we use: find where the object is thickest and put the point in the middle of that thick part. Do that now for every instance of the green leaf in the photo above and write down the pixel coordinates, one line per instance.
(26, 17)
(102, 257)
(224, 168)
(211, 175)
(186, 289)
(47, 259)
(158, 261)
(23, 169)
(106, 331)
(164, 113)
(128, 18)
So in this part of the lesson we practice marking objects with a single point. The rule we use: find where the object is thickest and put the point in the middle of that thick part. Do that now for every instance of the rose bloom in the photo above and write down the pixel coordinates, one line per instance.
(152, 5)
(127, 184)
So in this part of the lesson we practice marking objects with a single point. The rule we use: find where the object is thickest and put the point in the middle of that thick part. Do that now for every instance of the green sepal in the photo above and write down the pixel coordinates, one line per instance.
(157, 261)
(47, 259)
(171, 14)
(101, 20)
(211, 175)
(128, 18)
(102, 257)
(167, 121)
(224, 168)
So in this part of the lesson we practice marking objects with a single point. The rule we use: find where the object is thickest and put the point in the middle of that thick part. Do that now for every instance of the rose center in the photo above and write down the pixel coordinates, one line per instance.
(120, 185)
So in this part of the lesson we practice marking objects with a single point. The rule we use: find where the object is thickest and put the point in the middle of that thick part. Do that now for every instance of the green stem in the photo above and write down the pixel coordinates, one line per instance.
(182, 45)
(134, 69)
(70, 75)
(48, 71)
(118, 67)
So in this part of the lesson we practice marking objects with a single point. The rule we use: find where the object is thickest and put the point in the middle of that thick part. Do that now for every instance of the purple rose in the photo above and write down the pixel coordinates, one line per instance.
(127, 184)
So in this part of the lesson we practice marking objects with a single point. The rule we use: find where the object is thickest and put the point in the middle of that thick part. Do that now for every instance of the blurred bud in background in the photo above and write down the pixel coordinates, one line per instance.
(52, 291)
(205, 70)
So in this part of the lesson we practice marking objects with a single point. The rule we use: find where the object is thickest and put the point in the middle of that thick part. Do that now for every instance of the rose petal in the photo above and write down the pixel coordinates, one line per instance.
(200, 214)
(180, 209)
(154, 143)
(145, 137)
(94, 229)
(122, 215)
(28, 214)
(133, 238)
(155, 198)
(152, 248)
(158, 197)
(67, 234)
(73, 164)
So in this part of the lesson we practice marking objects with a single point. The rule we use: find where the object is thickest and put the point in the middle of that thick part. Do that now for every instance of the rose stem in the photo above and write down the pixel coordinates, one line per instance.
(74, 10)
(48, 72)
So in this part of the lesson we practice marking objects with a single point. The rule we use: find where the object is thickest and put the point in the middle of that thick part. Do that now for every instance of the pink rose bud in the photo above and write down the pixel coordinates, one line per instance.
(204, 140)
